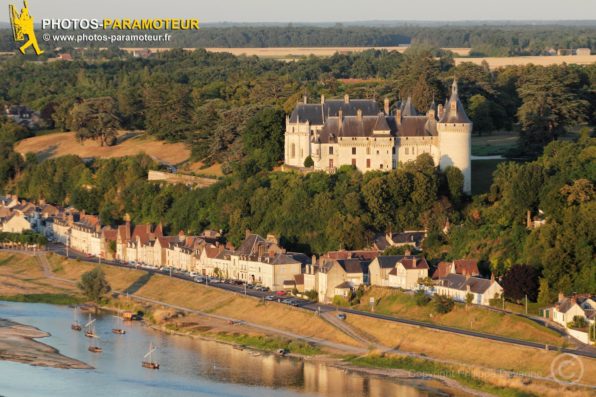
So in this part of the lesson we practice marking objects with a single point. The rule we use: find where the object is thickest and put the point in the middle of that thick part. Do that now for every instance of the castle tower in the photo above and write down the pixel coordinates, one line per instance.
(455, 138)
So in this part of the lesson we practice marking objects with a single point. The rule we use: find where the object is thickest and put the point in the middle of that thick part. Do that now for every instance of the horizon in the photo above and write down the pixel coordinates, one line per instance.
(314, 12)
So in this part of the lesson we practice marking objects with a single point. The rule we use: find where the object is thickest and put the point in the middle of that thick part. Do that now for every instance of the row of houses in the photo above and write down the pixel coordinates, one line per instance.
(15, 215)
(259, 260)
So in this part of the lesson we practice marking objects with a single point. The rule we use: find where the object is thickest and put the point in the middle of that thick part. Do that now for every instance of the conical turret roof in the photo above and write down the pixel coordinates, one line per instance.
(454, 110)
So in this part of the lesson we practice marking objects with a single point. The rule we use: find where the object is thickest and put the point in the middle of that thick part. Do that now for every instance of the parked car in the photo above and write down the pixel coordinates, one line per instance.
(270, 298)
(341, 316)
(199, 279)
(280, 293)
(287, 301)
(193, 274)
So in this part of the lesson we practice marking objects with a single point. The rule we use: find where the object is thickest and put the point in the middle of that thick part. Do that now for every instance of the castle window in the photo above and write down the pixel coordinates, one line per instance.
(354, 162)
(293, 151)
(381, 166)
(377, 152)
(393, 150)
(407, 150)
(367, 163)
(330, 149)
(353, 150)
(367, 150)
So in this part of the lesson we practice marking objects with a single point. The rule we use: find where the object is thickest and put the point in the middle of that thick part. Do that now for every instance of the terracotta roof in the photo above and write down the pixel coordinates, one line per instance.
(411, 263)
(466, 266)
(442, 270)
(110, 234)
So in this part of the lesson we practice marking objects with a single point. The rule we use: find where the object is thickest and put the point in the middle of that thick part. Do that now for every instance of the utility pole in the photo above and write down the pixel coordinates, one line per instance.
(526, 304)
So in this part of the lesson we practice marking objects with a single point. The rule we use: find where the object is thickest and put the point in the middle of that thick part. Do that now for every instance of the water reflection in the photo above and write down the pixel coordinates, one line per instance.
(188, 366)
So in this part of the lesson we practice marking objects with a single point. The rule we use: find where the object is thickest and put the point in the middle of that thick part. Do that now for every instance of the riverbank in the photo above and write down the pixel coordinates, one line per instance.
(184, 307)
(18, 344)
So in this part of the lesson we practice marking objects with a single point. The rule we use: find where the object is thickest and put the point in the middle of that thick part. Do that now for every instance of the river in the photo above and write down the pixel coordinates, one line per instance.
(189, 367)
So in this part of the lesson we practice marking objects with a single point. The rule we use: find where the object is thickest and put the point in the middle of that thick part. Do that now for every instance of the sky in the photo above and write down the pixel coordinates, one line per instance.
(313, 10)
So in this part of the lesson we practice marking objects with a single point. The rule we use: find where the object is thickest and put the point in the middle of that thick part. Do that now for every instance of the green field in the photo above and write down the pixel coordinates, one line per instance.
(498, 143)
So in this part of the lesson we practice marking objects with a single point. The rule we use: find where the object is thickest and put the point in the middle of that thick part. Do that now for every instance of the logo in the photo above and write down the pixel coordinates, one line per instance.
(567, 368)
(22, 25)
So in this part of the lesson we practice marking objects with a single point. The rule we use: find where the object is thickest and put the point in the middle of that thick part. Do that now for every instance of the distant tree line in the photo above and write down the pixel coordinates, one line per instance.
(485, 40)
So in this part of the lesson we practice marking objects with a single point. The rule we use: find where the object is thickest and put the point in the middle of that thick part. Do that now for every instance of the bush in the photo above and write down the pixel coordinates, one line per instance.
(312, 295)
(340, 301)
(421, 298)
(443, 304)
(308, 162)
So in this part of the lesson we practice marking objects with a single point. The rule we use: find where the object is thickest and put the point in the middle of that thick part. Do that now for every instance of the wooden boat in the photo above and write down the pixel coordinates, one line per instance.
(150, 363)
(75, 326)
(118, 330)
(90, 329)
(95, 348)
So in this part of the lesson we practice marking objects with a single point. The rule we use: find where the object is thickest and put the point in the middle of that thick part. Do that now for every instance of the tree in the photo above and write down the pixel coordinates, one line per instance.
(263, 137)
(308, 162)
(455, 183)
(443, 304)
(551, 101)
(544, 295)
(421, 298)
(469, 298)
(480, 113)
(521, 281)
(95, 119)
(94, 284)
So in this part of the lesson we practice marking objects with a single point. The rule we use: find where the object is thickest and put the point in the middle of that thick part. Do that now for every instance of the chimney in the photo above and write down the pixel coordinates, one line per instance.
(529, 219)
(431, 114)
(313, 260)
(247, 233)
(322, 99)
(492, 278)
(359, 115)
(340, 116)
(346, 98)
(398, 116)
(386, 106)
(408, 252)
(305, 99)
(441, 111)
(561, 296)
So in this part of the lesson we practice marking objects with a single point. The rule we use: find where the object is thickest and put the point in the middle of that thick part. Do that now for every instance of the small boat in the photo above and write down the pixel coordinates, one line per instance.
(90, 329)
(95, 348)
(150, 363)
(75, 326)
(118, 330)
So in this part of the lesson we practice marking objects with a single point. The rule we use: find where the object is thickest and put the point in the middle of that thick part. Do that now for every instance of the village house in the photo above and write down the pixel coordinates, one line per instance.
(412, 238)
(85, 235)
(398, 271)
(335, 277)
(568, 309)
(16, 222)
(458, 286)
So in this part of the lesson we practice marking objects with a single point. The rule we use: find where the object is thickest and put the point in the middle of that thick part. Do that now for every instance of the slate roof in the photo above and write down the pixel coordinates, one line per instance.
(317, 113)
(354, 266)
(454, 110)
(407, 108)
(457, 281)
(344, 285)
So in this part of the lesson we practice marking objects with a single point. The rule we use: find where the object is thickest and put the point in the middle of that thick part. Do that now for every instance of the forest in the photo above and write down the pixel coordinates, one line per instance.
(208, 99)
(484, 39)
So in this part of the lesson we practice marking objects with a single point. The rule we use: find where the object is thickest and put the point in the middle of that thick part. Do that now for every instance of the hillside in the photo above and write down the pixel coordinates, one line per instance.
(129, 144)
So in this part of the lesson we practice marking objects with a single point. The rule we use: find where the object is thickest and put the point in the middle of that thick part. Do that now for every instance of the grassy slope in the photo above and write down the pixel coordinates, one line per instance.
(63, 143)
(398, 303)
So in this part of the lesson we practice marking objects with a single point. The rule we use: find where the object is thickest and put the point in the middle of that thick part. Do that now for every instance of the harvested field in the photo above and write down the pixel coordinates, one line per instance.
(496, 62)
(129, 144)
